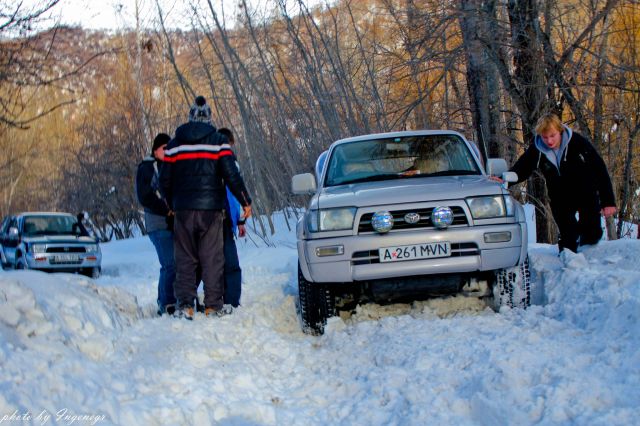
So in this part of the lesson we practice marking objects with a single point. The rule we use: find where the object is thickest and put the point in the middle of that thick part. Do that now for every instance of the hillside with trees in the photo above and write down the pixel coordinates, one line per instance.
(80, 107)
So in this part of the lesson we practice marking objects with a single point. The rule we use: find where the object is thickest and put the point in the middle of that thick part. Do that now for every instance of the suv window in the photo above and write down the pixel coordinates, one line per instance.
(393, 158)
(48, 225)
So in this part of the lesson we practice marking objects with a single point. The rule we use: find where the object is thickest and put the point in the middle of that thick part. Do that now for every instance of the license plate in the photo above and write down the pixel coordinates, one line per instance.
(63, 258)
(415, 251)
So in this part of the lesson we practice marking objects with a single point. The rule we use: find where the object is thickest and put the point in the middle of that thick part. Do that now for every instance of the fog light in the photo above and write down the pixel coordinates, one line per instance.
(497, 237)
(329, 251)
(382, 222)
(442, 217)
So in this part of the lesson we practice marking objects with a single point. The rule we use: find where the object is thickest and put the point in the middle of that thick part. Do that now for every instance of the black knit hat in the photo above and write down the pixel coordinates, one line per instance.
(200, 111)
(161, 139)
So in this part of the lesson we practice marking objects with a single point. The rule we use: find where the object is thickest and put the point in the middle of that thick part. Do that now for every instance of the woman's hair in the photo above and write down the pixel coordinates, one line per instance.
(548, 122)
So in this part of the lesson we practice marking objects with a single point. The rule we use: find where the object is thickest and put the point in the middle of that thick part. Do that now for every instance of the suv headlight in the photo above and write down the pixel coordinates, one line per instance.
(331, 219)
(92, 248)
(490, 207)
(38, 248)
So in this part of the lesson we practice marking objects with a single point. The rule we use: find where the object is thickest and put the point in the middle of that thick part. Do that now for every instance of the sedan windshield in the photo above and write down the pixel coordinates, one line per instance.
(399, 158)
(49, 225)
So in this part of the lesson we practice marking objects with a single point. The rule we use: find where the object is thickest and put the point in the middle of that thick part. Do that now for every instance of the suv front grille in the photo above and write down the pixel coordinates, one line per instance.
(459, 218)
(71, 249)
(369, 257)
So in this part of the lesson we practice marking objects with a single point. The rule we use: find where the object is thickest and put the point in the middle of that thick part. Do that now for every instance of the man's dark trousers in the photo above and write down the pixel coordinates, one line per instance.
(232, 271)
(199, 241)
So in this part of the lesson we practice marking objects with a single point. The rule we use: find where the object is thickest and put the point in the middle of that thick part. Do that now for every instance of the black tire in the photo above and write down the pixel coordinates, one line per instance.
(317, 304)
(92, 272)
(21, 263)
(3, 260)
(513, 286)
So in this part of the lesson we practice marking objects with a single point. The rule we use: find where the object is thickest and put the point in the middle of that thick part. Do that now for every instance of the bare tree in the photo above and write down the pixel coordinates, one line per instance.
(28, 62)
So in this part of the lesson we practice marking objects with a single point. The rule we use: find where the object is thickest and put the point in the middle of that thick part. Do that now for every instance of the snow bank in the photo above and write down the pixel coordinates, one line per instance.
(39, 310)
(51, 326)
(97, 349)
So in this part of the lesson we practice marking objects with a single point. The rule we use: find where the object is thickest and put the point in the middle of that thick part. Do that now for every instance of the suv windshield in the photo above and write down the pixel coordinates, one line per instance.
(397, 158)
(49, 225)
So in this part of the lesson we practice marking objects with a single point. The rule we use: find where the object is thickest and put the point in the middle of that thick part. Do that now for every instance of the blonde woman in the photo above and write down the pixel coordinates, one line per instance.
(577, 181)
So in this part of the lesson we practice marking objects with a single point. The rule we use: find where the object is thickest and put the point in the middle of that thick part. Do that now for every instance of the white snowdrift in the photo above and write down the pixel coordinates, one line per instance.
(72, 347)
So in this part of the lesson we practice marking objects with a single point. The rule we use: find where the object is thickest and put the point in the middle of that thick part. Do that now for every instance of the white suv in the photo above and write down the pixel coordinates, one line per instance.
(405, 216)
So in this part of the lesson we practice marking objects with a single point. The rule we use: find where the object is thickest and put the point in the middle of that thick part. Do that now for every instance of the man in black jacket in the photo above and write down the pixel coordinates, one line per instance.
(158, 221)
(198, 163)
(577, 181)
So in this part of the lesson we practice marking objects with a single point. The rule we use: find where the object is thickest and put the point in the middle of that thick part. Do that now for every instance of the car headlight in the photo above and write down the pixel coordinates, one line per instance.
(331, 219)
(38, 248)
(487, 207)
(92, 248)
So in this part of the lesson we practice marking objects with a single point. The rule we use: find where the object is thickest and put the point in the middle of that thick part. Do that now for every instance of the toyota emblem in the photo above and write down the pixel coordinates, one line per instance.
(412, 218)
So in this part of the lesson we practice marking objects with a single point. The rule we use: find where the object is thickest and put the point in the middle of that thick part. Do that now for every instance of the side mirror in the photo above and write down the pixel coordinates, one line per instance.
(510, 177)
(303, 184)
(496, 166)
(13, 232)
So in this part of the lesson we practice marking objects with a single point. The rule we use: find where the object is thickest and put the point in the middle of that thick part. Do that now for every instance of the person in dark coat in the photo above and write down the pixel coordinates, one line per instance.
(82, 226)
(198, 164)
(577, 181)
(158, 220)
(234, 224)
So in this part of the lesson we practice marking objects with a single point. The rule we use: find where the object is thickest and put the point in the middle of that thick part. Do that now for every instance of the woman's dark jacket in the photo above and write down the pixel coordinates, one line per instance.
(198, 163)
(581, 179)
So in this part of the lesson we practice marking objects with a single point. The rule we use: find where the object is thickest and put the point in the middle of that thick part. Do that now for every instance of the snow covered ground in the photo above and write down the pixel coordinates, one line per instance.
(77, 351)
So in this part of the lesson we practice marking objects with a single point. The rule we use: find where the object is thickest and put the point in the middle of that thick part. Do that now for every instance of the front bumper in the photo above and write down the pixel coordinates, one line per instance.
(359, 262)
(63, 262)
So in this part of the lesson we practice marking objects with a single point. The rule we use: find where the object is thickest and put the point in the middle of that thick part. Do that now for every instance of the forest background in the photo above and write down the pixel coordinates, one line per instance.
(79, 108)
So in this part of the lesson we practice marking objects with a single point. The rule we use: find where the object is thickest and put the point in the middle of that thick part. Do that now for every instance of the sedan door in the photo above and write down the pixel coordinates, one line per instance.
(4, 227)
(10, 240)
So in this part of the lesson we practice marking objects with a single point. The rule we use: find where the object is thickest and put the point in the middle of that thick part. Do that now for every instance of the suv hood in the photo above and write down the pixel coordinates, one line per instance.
(411, 190)
(59, 239)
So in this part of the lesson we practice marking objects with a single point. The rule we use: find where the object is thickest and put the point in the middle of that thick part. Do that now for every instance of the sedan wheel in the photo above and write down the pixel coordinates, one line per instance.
(21, 263)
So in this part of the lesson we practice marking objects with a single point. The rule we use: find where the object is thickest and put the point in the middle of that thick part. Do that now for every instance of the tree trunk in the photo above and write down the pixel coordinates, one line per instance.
(481, 75)
(626, 188)
(530, 76)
